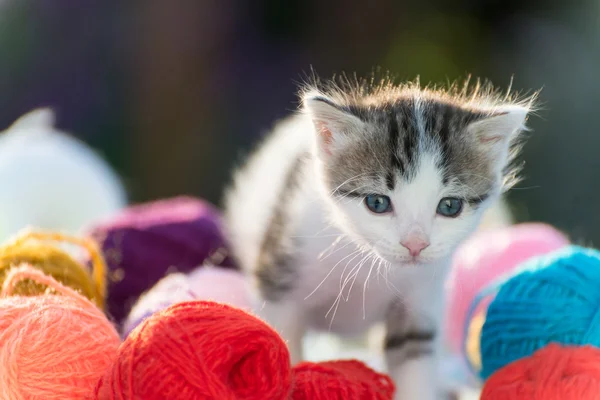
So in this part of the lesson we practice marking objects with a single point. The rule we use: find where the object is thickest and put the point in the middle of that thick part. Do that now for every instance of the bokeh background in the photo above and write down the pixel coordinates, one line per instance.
(174, 93)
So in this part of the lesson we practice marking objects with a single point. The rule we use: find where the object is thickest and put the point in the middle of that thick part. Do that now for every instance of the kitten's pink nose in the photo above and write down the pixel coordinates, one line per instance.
(415, 245)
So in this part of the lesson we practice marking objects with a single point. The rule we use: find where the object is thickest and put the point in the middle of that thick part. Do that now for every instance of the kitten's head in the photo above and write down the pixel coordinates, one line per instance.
(407, 172)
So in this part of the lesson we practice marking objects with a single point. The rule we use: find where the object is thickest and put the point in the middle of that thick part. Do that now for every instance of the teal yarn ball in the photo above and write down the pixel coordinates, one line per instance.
(551, 298)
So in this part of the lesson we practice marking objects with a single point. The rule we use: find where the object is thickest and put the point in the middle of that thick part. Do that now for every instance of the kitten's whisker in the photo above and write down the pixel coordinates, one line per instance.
(317, 237)
(331, 247)
(346, 195)
(330, 272)
(340, 294)
(359, 251)
(336, 250)
(465, 186)
(348, 181)
(389, 283)
(365, 288)
(361, 263)
(351, 271)
(526, 187)
(477, 175)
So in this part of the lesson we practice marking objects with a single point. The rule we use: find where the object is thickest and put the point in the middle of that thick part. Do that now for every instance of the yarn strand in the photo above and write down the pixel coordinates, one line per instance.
(92, 248)
(33, 247)
(23, 272)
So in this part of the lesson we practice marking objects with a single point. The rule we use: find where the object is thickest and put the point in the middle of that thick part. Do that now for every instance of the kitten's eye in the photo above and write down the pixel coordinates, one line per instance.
(450, 207)
(378, 204)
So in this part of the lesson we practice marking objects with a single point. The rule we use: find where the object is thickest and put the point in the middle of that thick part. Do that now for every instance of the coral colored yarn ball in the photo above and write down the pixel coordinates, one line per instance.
(552, 373)
(206, 283)
(200, 350)
(552, 298)
(486, 256)
(145, 242)
(340, 380)
(52, 347)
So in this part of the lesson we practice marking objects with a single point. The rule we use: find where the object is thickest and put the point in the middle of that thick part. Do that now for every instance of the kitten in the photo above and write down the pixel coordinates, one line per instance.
(349, 212)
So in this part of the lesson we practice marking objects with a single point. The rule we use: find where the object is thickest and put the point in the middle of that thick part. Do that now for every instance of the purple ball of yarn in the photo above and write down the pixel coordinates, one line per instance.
(206, 283)
(145, 242)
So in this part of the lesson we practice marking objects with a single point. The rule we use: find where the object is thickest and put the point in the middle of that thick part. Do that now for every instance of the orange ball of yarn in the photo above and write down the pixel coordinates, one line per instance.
(552, 373)
(199, 350)
(340, 380)
(41, 250)
(51, 347)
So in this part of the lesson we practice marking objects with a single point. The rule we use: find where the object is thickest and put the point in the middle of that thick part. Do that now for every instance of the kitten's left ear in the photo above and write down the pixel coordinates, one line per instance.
(496, 132)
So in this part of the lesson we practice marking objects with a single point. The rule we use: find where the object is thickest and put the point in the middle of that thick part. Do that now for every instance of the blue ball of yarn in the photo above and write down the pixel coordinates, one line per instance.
(551, 298)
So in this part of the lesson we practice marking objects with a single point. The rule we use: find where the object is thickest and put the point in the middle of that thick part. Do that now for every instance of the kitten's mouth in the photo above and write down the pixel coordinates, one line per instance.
(412, 261)
(404, 260)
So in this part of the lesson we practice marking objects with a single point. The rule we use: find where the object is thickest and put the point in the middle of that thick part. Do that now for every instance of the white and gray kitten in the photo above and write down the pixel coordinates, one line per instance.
(349, 212)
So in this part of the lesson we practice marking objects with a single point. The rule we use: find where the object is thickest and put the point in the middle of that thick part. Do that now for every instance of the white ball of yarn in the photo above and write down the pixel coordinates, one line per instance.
(51, 180)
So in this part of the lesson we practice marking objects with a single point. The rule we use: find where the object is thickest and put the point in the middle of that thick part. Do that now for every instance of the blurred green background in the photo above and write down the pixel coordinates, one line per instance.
(174, 93)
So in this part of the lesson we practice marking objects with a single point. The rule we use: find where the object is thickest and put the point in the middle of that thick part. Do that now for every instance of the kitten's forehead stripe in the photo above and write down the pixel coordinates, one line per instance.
(407, 128)
(409, 137)
(439, 119)
(396, 162)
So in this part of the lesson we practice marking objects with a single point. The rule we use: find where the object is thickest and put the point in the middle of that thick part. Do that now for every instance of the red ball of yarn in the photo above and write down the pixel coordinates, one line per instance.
(200, 350)
(340, 380)
(552, 373)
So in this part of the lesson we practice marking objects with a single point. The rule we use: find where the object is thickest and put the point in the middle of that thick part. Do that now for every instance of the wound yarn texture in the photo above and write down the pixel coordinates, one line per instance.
(52, 347)
(200, 350)
(552, 373)
(552, 298)
(41, 250)
(340, 380)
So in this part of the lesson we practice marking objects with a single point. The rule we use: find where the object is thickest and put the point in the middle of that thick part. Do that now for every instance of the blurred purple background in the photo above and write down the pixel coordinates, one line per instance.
(173, 94)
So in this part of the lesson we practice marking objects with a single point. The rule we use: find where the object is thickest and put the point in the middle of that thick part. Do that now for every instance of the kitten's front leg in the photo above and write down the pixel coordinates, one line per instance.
(288, 320)
(411, 349)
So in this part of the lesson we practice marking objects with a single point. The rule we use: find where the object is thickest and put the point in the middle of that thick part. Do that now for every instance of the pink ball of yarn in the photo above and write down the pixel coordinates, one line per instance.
(485, 256)
(52, 347)
(205, 283)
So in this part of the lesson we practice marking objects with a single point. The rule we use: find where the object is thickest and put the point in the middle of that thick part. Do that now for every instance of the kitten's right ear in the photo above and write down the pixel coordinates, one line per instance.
(332, 123)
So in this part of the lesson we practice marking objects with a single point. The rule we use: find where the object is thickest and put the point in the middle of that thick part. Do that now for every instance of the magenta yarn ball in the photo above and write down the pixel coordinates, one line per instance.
(145, 242)
(485, 256)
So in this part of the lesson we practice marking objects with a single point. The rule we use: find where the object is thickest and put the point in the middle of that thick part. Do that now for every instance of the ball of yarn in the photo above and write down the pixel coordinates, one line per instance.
(551, 298)
(52, 347)
(551, 373)
(207, 283)
(145, 242)
(340, 380)
(486, 256)
(200, 350)
(52, 180)
(42, 250)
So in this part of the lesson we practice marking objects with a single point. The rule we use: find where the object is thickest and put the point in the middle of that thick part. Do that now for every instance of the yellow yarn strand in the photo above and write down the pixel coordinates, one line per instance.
(474, 340)
(34, 248)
